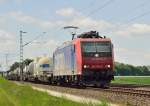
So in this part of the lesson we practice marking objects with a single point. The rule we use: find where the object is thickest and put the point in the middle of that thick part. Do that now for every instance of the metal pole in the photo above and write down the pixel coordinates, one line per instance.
(6, 61)
(21, 55)
(21, 52)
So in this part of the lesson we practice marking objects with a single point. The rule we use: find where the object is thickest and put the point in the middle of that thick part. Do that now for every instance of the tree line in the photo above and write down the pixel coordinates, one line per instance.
(122, 69)
(18, 64)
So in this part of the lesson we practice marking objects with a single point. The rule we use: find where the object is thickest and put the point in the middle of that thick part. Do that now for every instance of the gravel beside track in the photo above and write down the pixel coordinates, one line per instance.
(118, 95)
(129, 85)
(139, 92)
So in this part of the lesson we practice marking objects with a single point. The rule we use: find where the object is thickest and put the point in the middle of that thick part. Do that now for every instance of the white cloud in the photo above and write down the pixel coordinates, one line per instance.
(42, 48)
(132, 56)
(51, 43)
(21, 17)
(7, 41)
(121, 50)
(140, 28)
(133, 30)
(103, 26)
(5, 36)
(8, 44)
(89, 23)
(147, 55)
(85, 23)
(82, 21)
(2, 19)
(66, 12)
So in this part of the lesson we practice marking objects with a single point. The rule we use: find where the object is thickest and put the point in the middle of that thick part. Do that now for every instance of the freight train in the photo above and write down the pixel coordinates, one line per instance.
(86, 60)
(39, 70)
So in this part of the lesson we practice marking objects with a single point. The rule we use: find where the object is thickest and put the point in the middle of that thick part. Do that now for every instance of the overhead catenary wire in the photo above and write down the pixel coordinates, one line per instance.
(128, 22)
(100, 7)
(138, 16)
(34, 39)
(142, 5)
(89, 5)
(93, 11)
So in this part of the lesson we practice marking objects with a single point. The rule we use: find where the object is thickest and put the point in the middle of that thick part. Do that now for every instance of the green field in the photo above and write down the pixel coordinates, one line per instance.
(132, 80)
(12, 94)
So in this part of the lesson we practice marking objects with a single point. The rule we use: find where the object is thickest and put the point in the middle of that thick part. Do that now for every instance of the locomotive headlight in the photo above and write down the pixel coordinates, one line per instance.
(85, 66)
(96, 55)
(108, 66)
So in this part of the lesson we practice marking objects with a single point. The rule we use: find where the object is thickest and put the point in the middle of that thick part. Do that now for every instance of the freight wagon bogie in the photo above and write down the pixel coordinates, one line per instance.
(72, 80)
(80, 80)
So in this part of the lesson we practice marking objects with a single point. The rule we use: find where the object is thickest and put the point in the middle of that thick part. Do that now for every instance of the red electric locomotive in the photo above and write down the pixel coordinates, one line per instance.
(86, 60)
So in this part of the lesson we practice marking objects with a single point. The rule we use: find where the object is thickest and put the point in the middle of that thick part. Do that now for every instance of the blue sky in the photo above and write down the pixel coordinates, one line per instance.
(131, 39)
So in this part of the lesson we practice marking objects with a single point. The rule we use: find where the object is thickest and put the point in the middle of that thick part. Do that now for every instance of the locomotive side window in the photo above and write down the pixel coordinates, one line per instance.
(89, 49)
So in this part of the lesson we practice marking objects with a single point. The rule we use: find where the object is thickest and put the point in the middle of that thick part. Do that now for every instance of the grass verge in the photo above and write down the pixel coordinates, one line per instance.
(132, 80)
(12, 94)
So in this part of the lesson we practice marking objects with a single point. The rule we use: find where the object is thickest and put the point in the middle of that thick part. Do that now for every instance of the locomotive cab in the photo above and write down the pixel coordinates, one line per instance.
(96, 59)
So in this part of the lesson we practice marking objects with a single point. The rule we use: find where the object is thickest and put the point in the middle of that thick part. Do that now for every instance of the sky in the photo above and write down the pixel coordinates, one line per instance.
(126, 22)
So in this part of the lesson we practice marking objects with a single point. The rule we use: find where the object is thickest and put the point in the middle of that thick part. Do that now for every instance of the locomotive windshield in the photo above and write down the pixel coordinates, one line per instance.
(100, 48)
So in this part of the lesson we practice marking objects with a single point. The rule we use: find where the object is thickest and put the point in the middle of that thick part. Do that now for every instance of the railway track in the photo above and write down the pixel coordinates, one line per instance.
(125, 91)
(128, 90)
(129, 85)
(132, 90)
